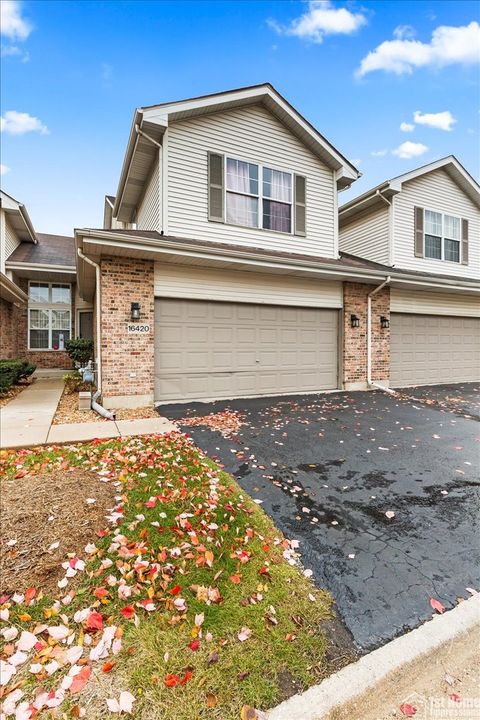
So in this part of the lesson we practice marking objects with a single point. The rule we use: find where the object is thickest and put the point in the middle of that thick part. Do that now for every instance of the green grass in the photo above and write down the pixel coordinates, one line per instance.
(197, 505)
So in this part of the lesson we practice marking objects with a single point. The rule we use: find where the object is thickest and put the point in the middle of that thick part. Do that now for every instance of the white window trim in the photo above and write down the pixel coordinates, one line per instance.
(48, 307)
(260, 197)
(443, 237)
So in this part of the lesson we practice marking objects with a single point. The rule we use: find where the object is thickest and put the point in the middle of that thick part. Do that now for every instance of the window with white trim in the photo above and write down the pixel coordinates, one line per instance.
(258, 196)
(442, 236)
(49, 315)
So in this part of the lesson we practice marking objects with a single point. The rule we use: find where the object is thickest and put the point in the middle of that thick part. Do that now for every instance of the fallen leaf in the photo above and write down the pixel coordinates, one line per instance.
(244, 634)
(212, 700)
(80, 680)
(108, 666)
(437, 605)
(408, 710)
(454, 697)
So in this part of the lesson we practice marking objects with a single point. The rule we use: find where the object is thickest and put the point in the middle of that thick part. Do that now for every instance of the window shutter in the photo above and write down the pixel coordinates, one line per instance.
(418, 237)
(300, 200)
(215, 187)
(464, 241)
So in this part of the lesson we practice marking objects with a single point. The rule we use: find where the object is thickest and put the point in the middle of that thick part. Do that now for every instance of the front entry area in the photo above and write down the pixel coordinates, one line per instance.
(429, 349)
(207, 349)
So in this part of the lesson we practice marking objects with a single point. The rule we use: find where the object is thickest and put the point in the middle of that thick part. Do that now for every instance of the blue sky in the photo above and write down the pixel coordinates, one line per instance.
(357, 70)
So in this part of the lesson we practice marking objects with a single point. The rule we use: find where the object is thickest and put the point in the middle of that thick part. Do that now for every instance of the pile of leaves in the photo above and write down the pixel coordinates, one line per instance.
(188, 600)
(227, 422)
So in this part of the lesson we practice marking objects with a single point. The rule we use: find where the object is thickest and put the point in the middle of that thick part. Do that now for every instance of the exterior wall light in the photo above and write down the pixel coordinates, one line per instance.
(354, 321)
(135, 311)
(384, 322)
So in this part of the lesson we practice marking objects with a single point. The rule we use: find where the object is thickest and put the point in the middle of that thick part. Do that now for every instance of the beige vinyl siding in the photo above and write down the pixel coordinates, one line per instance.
(148, 211)
(434, 303)
(434, 191)
(178, 281)
(251, 134)
(11, 242)
(367, 236)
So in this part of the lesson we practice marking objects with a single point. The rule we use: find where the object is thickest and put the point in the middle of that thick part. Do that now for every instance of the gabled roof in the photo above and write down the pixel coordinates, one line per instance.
(388, 188)
(54, 250)
(18, 217)
(150, 123)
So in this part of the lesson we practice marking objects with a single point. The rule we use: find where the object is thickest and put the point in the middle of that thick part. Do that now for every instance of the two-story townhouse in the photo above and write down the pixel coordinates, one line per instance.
(217, 273)
(424, 225)
(39, 305)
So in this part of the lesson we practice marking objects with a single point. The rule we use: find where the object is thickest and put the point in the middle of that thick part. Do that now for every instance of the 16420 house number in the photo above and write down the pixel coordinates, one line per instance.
(138, 328)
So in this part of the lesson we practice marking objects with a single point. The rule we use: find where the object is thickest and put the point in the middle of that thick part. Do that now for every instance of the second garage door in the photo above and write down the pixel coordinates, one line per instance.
(206, 350)
(428, 349)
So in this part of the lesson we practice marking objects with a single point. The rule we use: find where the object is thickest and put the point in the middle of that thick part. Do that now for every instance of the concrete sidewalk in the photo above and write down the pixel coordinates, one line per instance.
(27, 420)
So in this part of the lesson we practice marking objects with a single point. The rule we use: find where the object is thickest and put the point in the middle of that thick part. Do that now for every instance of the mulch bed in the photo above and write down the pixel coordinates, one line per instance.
(41, 510)
(12, 392)
(67, 412)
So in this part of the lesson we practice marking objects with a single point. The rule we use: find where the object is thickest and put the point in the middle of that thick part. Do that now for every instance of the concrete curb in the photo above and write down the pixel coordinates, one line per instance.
(352, 681)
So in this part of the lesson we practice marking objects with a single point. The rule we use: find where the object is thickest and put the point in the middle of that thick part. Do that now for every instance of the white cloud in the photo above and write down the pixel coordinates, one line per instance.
(14, 51)
(107, 72)
(441, 120)
(18, 123)
(12, 24)
(322, 18)
(407, 127)
(448, 46)
(404, 32)
(4, 169)
(379, 153)
(409, 150)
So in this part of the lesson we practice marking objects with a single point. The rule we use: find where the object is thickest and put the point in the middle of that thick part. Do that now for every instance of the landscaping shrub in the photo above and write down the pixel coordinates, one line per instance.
(12, 371)
(74, 382)
(80, 350)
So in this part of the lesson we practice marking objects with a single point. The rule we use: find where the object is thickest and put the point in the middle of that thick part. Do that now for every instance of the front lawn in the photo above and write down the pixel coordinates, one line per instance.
(188, 604)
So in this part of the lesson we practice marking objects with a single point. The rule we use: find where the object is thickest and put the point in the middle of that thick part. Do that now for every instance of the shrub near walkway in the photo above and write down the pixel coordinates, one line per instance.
(188, 604)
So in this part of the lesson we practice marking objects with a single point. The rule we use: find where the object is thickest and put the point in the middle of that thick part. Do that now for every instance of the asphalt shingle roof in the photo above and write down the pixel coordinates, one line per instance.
(49, 250)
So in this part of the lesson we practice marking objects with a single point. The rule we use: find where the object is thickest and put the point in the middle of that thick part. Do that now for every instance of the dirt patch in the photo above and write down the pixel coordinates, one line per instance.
(39, 511)
(12, 392)
(68, 412)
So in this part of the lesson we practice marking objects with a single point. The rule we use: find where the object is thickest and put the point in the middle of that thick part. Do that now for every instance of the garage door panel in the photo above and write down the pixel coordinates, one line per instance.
(234, 349)
(432, 349)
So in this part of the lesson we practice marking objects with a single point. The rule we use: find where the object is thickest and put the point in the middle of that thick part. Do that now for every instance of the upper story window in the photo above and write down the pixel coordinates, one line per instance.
(442, 236)
(49, 315)
(256, 196)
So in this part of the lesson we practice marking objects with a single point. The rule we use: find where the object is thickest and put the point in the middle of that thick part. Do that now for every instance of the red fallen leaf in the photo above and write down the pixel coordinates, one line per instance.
(108, 666)
(437, 605)
(455, 697)
(29, 595)
(80, 680)
(20, 474)
(101, 533)
(175, 590)
(236, 579)
(94, 621)
(194, 645)
(128, 612)
(186, 677)
(408, 710)
(172, 680)
(101, 592)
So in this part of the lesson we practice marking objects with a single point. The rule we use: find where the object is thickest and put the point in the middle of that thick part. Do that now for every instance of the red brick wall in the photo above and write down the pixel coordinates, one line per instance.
(125, 281)
(43, 359)
(355, 339)
(8, 333)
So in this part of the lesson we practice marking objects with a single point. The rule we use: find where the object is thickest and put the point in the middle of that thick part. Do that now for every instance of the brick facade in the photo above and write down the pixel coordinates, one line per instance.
(43, 359)
(8, 331)
(127, 358)
(355, 339)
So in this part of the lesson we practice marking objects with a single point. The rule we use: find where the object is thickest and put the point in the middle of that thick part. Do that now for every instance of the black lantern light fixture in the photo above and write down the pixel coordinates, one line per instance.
(354, 321)
(135, 311)
(384, 322)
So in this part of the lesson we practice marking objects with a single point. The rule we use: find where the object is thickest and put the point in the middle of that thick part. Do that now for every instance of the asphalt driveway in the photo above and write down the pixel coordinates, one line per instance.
(328, 468)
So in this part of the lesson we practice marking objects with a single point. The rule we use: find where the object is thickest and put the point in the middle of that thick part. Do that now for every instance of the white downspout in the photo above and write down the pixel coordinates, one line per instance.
(369, 336)
(96, 406)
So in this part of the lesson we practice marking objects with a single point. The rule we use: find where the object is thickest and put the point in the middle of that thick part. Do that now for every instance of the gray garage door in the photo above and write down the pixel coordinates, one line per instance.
(427, 349)
(210, 350)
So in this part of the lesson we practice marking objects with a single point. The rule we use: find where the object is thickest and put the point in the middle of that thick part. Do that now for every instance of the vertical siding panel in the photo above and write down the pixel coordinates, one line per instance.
(148, 211)
(11, 240)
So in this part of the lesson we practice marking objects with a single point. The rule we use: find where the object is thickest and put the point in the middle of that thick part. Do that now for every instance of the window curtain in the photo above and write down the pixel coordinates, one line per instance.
(281, 187)
(279, 216)
(242, 210)
(238, 177)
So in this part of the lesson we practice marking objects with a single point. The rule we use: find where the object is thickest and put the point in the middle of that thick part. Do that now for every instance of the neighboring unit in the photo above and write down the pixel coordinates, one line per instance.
(425, 223)
(39, 305)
